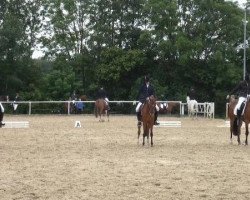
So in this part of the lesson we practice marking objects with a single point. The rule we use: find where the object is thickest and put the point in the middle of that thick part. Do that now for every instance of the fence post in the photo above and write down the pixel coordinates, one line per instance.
(68, 107)
(29, 108)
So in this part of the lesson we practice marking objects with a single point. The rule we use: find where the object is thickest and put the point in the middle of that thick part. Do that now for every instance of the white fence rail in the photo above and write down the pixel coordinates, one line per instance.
(206, 109)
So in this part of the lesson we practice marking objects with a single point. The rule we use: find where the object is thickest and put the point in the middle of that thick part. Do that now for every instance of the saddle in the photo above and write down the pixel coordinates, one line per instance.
(242, 107)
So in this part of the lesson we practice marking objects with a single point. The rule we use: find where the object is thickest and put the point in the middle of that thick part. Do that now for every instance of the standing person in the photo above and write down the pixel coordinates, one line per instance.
(79, 106)
(241, 90)
(73, 104)
(74, 96)
(191, 94)
(15, 104)
(145, 91)
(102, 94)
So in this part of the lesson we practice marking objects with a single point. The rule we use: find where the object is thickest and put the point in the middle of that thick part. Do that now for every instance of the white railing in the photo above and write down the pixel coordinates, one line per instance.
(206, 109)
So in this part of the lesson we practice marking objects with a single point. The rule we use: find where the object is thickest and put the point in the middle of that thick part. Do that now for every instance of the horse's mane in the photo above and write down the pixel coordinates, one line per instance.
(232, 99)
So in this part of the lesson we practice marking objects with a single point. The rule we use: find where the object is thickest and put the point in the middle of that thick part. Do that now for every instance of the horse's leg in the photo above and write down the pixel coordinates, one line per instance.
(143, 140)
(139, 132)
(239, 131)
(147, 133)
(247, 132)
(231, 131)
(108, 115)
(151, 135)
(100, 115)
(144, 133)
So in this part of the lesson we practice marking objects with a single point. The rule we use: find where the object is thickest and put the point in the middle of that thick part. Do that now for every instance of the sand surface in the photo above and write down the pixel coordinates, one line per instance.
(102, 160)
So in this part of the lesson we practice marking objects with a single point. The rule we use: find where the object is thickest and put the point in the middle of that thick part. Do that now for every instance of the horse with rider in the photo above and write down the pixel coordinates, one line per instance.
(102, 104)
(239, 109)
(145, 91)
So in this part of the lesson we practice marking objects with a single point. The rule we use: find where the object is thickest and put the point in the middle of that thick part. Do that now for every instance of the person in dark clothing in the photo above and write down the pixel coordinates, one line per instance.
(242, 91)
(79, 106)
(145, 91)
(102, 94)
(191, 94)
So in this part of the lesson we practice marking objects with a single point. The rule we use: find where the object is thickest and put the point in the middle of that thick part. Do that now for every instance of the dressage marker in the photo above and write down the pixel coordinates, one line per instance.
(78, 124)
(174, 124)
(19, 124)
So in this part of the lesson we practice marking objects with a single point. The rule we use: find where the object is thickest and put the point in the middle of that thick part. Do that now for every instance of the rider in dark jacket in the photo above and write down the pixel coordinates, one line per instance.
(192, 94)
(145, 91)
(103, 95)
(242, 91)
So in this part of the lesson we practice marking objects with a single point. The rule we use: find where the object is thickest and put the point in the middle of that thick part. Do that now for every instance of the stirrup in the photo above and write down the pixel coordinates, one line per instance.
(139, 123)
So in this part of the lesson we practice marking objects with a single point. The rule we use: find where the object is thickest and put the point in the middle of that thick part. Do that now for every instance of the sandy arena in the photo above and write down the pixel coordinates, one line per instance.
(52, 160)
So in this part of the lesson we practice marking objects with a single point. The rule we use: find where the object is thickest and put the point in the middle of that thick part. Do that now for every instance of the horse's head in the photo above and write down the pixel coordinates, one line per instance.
(188, 99)
(151, 102)
(232, 98)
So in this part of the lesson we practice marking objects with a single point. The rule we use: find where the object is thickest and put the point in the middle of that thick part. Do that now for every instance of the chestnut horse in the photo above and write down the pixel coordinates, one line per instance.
(168, 107)
(148, 116)
(101, 109)
(234, 129)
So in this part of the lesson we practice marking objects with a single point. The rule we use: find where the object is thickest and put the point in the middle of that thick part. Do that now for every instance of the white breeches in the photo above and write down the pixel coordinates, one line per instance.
(106, 100)
(2, 108)
(240, 101)
(162, 105)
(137, 109)
(15, 106)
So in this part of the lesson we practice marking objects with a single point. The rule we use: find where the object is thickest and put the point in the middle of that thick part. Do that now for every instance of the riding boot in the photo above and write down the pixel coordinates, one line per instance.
(238, 117)
(139, 118)
(155, 120)
(1, 119)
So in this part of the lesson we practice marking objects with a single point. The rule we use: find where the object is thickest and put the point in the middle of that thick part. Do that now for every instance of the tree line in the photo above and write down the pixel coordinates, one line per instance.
(115, 43)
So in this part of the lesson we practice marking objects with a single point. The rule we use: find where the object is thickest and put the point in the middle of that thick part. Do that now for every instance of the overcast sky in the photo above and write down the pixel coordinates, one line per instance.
(241, 2)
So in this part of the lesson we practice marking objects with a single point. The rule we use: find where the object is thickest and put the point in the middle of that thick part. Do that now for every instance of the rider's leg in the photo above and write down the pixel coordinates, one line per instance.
(1, 115)
(107, 102)
(238, 108)
(1, 119)
(138, 113)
